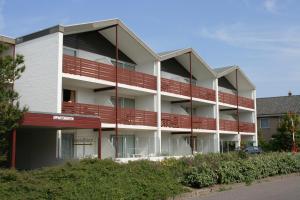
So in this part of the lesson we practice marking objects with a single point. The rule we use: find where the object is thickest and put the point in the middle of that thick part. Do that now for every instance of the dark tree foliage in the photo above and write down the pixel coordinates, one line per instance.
(10, 111)
(283, 140)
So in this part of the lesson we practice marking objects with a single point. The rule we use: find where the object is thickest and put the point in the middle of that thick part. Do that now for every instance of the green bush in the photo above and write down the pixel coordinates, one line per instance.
(238, 167)
(200, 177)
(91, 179)
(105, 179)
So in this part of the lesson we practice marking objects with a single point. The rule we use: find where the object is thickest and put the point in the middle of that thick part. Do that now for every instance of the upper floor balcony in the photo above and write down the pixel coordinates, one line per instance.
(83, 67)
(176, 87)
(232, 100)
(229, 125)
(184, 121)
(107, 114)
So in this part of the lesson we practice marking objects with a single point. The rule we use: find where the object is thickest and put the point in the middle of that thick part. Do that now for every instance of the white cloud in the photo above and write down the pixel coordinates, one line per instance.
(284, 41)
(270, 5)
(1, 15)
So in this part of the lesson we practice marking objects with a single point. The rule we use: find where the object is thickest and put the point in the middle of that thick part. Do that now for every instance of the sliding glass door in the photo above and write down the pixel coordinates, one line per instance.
(126, 145)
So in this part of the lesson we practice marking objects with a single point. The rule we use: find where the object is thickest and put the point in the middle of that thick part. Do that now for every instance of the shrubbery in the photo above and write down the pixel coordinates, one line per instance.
(210, 169)
(91, 179)
(105, 179)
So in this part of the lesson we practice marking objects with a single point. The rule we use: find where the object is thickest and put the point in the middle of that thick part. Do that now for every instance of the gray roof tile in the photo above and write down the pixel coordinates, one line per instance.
(278, 105)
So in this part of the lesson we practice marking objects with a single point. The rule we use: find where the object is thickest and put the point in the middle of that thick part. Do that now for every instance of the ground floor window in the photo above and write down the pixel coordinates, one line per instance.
(126, 145)
(227, 146)
(67, 144)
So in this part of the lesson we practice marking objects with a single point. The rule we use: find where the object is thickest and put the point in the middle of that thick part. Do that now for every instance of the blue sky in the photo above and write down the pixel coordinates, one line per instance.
(261, 36)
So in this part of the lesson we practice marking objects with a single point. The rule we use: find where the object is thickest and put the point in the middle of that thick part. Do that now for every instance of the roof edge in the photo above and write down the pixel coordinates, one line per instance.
(8, 40)
(41, 33)
(180, 52)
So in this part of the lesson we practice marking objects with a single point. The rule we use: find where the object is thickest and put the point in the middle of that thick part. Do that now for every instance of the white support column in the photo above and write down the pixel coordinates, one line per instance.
(158, 110)
(60, 66)
(238, 141)
(59, 91)
(58, 144)
(217, 148)
(255, 119)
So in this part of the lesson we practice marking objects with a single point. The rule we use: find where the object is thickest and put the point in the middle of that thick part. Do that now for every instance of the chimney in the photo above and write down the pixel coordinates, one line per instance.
(290, 93)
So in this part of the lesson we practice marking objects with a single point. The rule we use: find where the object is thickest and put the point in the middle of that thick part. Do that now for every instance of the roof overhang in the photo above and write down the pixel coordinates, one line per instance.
(230, 74)
(200, 69)
(59, 121)
(128, 41)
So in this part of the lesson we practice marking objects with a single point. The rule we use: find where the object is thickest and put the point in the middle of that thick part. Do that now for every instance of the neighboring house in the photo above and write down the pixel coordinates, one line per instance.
(271, 109)
(71, 87)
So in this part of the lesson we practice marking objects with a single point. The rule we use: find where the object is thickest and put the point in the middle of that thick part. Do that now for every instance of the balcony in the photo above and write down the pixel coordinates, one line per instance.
(107, 114)
(228, 125)
(232, 100)
(184, 121)
(83, 67)
(180, 88)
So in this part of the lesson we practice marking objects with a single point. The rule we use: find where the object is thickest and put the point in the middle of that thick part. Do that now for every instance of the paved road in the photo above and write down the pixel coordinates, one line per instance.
(287, 188)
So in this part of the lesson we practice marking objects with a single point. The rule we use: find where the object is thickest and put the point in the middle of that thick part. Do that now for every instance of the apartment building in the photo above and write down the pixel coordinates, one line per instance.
(97, 90)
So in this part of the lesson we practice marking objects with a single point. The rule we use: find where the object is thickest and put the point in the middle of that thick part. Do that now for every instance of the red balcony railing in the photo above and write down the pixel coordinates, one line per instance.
(177, 87)
(231, 99)
(184, 121)
(84, 67)
(175, 121)
(107, 114)
(204, 123)
(229, 125)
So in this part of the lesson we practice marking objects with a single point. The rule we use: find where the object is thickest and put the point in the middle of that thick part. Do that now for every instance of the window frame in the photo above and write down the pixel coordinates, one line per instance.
(261, 124)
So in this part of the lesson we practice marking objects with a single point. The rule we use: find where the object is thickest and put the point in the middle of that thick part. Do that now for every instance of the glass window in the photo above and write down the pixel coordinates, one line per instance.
(264, 123)
(124, 102)
(70, 52)
(124, 65)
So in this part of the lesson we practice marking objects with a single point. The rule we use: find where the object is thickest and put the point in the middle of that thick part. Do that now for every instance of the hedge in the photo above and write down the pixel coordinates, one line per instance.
(91, 179)
(206, 170)
(105, 179)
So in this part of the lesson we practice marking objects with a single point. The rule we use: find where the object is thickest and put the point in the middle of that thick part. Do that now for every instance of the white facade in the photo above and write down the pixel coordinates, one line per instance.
(43, 83)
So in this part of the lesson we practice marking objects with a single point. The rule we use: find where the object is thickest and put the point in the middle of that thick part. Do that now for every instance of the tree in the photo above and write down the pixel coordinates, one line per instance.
(10, 111)
(283, 141)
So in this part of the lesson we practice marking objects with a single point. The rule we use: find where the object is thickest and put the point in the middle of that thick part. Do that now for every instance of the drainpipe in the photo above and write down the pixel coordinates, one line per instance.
(191, 102)
(237, 107)
(99, 140)
(116, 94)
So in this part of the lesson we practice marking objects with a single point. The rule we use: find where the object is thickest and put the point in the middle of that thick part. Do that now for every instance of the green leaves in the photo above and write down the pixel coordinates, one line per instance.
(10, 112)
(212, 169)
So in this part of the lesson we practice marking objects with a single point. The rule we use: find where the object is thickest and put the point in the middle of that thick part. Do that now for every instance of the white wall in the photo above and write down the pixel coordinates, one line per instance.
(40, 85)
(226, 116)
(148, 68)
(205, 111)
(246, 117)
(146, 102)
(247, 94)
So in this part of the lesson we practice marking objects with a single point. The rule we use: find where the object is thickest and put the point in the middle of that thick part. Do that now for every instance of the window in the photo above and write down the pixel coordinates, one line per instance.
(124, 65)
(69, 95)
(70, 52)
(124, 102)
(264, 123)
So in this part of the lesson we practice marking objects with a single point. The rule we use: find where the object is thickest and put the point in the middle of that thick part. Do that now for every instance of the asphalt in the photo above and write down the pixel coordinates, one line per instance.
(282, 188)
